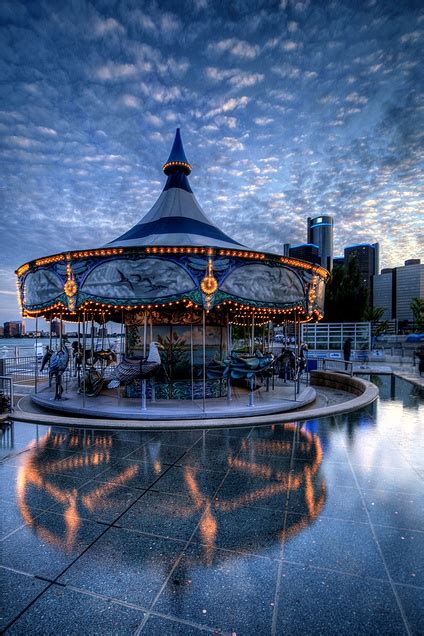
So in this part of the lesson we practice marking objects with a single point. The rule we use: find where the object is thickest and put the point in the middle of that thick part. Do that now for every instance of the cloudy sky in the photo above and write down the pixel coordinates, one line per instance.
(287, 108)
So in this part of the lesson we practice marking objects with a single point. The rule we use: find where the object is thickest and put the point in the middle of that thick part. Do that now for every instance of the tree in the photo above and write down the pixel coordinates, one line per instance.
(346, 294)
(374, 315)
(417, 307)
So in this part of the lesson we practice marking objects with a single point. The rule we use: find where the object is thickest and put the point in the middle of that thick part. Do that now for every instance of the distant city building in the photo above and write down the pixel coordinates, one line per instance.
(102, 332)
(383, 292)
(13, 328)
(367, 256)
(320, 232)
(35, 334)
(55, 328)
(1, 331)
(305, 252)
(338, 260)
(394, 289)
(409, 283)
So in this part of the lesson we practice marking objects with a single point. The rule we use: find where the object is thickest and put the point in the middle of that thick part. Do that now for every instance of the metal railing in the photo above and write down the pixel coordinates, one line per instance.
(27, 368)
(334, 364)
(22, 369)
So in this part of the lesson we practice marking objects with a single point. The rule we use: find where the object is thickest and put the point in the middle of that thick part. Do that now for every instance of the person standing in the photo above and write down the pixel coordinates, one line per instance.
(420, 355)
(347, 350)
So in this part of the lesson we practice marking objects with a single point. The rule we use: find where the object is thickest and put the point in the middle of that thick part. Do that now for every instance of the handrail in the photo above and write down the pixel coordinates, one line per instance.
(347, 364)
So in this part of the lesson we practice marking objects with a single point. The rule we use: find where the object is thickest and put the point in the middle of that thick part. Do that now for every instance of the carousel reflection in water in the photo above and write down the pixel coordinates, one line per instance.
(81, 475)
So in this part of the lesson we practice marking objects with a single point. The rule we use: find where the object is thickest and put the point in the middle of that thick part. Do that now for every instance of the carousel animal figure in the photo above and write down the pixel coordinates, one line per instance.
(47, 355)
(131, 368)
(93, 382)
(303, 357)
(104, 356)
(286, 364)
(57, 367)
(289, 366)
(239, 366)
(78, 355)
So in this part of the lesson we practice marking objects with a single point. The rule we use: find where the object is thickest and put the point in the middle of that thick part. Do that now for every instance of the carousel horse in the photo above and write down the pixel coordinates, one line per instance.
(303, 354)
(131, 368)
(104, 355)
(238, 366)
(286, 364)
(57, 366)
(289, 366)
(78, 355)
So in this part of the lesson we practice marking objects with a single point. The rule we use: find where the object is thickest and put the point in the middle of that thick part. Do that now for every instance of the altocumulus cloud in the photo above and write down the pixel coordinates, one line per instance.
(286, 109)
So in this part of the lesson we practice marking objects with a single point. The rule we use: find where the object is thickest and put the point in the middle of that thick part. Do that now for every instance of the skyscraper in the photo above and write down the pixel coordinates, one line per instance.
(14, 328)
(320, 232)
(394, 289)
(305, 252)
(367, 257)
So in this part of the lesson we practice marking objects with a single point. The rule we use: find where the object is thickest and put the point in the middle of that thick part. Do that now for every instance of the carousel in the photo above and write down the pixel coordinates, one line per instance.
(195, 311)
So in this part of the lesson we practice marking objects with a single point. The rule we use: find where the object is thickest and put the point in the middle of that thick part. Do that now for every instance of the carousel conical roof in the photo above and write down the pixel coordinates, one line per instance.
(176, 218)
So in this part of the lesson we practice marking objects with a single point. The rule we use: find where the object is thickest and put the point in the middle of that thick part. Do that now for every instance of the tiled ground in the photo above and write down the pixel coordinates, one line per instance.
(312, 529)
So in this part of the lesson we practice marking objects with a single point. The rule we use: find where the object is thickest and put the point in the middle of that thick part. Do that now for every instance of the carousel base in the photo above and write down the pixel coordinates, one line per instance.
(281, 399)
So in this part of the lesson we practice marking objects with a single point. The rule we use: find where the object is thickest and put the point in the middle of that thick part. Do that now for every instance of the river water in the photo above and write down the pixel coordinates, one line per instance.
(21, 347)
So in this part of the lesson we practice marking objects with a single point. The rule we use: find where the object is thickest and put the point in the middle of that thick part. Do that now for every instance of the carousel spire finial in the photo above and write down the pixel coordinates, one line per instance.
(177, 159)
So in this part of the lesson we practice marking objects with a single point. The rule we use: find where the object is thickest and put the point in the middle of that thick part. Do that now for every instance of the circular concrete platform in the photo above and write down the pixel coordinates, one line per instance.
(278, 400)
(328, 402)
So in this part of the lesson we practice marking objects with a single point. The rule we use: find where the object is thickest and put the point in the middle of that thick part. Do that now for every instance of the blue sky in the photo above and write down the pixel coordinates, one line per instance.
(287, 109)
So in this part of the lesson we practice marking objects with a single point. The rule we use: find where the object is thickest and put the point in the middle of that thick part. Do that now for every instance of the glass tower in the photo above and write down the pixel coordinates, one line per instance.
(367, 257)
(320, 232)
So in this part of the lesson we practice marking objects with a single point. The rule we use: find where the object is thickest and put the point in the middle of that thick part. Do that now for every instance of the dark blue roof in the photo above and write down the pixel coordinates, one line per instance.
(176, 218)
(176, 225)
(177, 158)
(177, 179)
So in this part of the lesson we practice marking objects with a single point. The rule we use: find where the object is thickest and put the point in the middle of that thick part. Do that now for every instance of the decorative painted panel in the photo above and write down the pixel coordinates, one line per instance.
(147, 278)
(42, 286)
(264, 284)
(319, 302)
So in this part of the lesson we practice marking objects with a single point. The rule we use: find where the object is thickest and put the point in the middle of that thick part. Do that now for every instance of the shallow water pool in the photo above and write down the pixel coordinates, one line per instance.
(310, 528)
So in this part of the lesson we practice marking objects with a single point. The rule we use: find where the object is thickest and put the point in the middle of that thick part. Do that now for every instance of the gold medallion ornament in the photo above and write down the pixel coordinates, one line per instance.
(312, 294)
(209, 284)
(70, 287)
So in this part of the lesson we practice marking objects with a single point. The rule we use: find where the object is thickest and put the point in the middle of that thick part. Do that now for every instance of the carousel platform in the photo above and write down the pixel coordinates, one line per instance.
(281, 399)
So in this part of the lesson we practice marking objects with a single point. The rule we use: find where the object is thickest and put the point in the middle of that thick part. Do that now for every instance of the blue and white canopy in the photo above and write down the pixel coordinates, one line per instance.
(173, 256)
(176, 218)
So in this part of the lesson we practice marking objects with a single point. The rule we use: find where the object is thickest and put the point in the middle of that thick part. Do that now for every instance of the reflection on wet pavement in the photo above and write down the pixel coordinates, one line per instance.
(218, 529)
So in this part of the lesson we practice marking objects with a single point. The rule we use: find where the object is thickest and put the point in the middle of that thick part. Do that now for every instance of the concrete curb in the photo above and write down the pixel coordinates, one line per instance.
(305, 397)
(416, 381)
(369, 394)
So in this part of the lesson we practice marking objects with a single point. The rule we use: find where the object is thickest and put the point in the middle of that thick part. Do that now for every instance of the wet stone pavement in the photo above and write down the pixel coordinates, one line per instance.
(315, 528)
